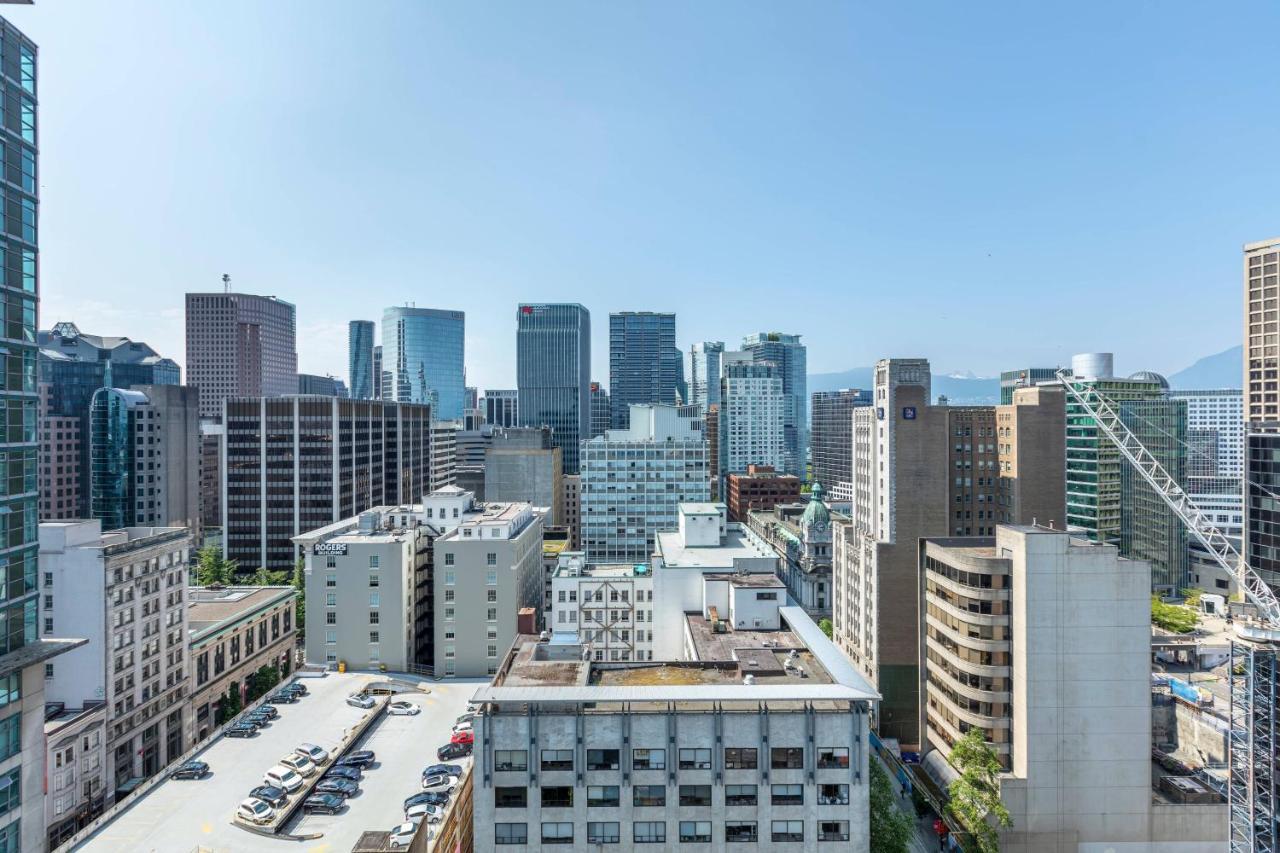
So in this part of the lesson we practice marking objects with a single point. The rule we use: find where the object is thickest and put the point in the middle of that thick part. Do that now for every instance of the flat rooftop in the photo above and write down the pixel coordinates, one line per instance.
(607, 570)
(209, 607)
(759, 580)
(739, 543)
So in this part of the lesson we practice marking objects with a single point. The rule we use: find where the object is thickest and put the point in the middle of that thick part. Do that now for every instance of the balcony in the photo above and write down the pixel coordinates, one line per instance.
(968, 642)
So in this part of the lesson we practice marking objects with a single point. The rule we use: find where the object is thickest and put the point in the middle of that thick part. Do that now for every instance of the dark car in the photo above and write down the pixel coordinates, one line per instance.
(190, 770)
(297, 687)
(341, 787)
(241, 730)
(259, 720)
(450, 769)
(266, 710)
(435, 798)
(361, 758)
(323, 804)
(271, 795)
(345, 771)
(284, 697)
(453, 750)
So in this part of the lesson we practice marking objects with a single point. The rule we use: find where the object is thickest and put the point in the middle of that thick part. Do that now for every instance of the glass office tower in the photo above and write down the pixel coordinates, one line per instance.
(645, 367)
(360, 375)
(553, 374)
(422, 359)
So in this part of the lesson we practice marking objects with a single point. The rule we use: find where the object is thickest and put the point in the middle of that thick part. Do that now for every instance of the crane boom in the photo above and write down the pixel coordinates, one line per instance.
(1206, 533)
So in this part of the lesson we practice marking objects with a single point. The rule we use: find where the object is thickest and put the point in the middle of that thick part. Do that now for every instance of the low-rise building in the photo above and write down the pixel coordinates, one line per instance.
(608, 609)
(801, 535)
(759, 487)
(76, 767)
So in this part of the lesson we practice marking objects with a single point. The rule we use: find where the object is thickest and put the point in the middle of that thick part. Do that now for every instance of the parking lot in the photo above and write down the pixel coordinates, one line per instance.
(182, 815)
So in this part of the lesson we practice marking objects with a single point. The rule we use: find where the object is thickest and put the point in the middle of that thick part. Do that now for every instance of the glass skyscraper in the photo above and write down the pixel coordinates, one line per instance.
(791, 358)
(704, 364)
(645, 367)
(360, 359)
(422, 359)
(553, 374)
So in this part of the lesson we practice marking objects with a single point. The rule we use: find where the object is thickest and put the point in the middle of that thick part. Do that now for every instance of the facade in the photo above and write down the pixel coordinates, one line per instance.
(607, 607)
(315, 385)
(1261, 329)
(752, 419)
(524, 464)
(571, 508)
(444, 454)
(126, 591)
(704, 365)
(831, 439)
(711, 429)
(240, 345)
(360, 376)
(791, 359)
(422, 358)
(1023, 377)
(754, 736)
(145, 457)
(501, 407)
(234, 631)
(759, 487)
(1262, 514)
(380, 378)
(61, 451)
(634, 479)
(645, 366)
(488, 567)
(801, 535)
(294, 464)
(601, 415)
(553, 374)
(76, 758)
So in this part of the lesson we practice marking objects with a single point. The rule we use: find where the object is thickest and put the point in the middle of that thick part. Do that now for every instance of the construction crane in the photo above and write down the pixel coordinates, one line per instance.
(1251, 788)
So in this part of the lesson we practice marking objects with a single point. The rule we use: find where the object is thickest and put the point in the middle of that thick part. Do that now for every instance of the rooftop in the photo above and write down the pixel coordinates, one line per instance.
(739, 543)
(211, 608)
(605, 570)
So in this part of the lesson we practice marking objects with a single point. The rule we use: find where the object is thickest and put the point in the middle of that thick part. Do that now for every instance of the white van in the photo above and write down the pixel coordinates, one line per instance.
(283, 777)
(304, 766)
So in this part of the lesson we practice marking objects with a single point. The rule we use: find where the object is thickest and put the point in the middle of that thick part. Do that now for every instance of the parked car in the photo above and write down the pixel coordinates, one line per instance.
(323, 804)
(450, 751)
(253, 718)
(416, 813)
(269, 711)
(436, 798)
(282, 777)
(317, 754)
(361, 758)
(402, 835)
(451, 769)
(466, 736)
(283, 697)
(345, 771)
(299, 763)
(403, 707)
(440, 782)
(466, 718)
(360, 700)
(296, 686)
(190, 770)
(462, 727)
(255, 811)
(241, 730)
(341, 787)
(271, 795)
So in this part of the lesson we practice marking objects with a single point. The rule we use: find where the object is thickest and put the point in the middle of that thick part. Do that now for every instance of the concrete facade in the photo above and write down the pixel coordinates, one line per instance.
(1261, 330)
(522, 464)
(76, 758)
(240, 345)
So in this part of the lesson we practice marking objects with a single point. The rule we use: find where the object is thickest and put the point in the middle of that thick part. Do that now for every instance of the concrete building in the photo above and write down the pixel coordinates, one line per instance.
(752, 419)
(704, 369)
(488, 567)
(800, 533)
(126, 591)
(831, 440)
(790, 357)
(501, 407)
(313, 384)
(645, 366)
(380, 377)
(759, 487)
(571, 508)
(61, 453)
(295, 464)
(752, 736)
(607, 608)
(1024, 377)
(360, 374)
(1219, 412)
(422, 359)
(1261, 332)
(211, 434)
(634, 479)
(601, 415)
(553, 374)
(444, 454)
(525, 464)
(240, 345)
(76, 758)
(711, 430)
(234, 631)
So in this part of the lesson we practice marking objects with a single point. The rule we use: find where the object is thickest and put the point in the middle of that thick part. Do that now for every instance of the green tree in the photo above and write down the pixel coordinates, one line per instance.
(1173, 617)
(975, 796)
(212, 568)
(266, 577)
(891, 828)
(300, 584)
(229, 704)
(827, 627)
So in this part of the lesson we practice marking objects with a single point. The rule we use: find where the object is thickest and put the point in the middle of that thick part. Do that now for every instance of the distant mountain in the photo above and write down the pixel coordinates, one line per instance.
(960, 389)
(1222, 370)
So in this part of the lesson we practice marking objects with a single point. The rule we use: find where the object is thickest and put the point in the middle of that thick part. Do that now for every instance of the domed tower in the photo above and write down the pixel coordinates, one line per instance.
(815, 526)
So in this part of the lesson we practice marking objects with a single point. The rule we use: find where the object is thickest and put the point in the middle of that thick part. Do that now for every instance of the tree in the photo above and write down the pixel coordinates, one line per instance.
(891, 829)
(212, 568)
(300, 609)
(1173, 617)
(229, 704)
(827, 627)
(975, 796)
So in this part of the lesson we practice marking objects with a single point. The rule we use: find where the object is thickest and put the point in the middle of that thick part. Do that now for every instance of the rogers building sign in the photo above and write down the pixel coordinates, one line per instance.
(329, 548)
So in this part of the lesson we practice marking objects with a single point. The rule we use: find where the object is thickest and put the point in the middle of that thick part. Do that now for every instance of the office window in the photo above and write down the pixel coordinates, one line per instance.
(510, 798)
(696, 831)
(602, 796)
(788, 830)
(491, 579)
(787, 758)
(833, 757)
(331, 580)
(603, 833)
(491, 615)
(695, 759)
(788, 795)
(557, 797)
(374, 599)
(511, 833)
(510, 759)
(602, 759)
(373, 561)
(330, 638)
(450, 578)
(557, 759)
(833, 795)
(833, 830)
(740, 830)
(331, 599)
(491, 559)
(374, 617)
(739, 759)
(649, 832)
(695, 795)
(448, 559)
(557, 833)
(374, 637)
(331, 618)
(740, 795)
(649, 795)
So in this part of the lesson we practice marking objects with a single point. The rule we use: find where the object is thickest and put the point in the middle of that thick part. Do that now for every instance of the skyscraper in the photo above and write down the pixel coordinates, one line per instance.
(240, 345)
(600, 413)
(704, 364)
(752, 419)
(831, 439)
(644, 364)
(423, 358)
(791, 358)
(1261, 331)
(360, 374)
(501, 407)
(553, 374)
(379, 378)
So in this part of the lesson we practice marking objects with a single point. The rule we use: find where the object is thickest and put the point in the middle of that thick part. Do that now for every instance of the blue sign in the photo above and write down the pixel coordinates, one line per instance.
(908, 413)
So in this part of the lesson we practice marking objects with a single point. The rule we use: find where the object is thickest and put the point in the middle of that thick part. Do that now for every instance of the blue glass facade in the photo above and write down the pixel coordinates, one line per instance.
(422, 359)
(553, 374)
(111, 484)
(644, 364)
(360, 359)
(791, 358)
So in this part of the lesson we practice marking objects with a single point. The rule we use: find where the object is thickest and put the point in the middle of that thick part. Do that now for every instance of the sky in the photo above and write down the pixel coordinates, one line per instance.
(988, 185)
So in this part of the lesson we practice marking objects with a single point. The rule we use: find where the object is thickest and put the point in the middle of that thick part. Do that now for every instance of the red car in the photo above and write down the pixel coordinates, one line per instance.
(463, 737)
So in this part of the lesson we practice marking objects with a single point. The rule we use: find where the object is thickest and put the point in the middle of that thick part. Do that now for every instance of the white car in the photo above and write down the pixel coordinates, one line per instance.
(255, 811)
(400, 706)
(360, 700)
(415, 813)
(464, 726)
(402, 835)
(317, 754)
(300, 764)
(282, 777)
(439, 782)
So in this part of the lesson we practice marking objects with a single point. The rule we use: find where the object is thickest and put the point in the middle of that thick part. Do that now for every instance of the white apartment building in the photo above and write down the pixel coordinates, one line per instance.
(634, 479)
(753, 411)
(126, 591)
(606, 608)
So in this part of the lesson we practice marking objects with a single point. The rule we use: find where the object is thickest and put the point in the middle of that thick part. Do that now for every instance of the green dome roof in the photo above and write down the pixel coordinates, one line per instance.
(816, 513)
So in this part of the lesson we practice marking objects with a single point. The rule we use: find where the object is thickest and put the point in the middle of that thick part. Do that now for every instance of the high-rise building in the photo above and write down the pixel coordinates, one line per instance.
(1217, 416)
(145, 451)
(553, 374)
(240, 345)
(644, 363)
(379, 376)
(791, 358)
(1261, 331)
(423, 359)
(704, 364)
(295, 464)
(523, 464)
(634, 479)
(315, 385)
(752, 419)
(501, 407)
(471, 397)
(571, 509)
(60, 461)
(831, 439)
(600, 413)
(444, 454)
(1023, 377)
(360, 375)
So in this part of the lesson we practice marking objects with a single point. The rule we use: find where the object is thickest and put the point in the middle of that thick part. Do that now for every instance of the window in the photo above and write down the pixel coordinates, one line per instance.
(833, 795)
(695, 795)
(491, 559)
(373, 561)
(833, 830)
(740, 795)
(374, 599)
(833, 758)
(557, 759)
(491, 578)
(330, 618)
(557, 833)
(649, 759)
(740, 830)
(511, 833)
(695, 831)
(649, 795)
(450, 578)
(766, 596)
(739, 759)
(695, 759)
(602, 759)
(649, 832)
(602, 796)
(510, 798)
(788, 830)
(491, 595)
(557, 797)
(491, 615)
(374, 617)
(374, 637)
(510, 759)
(788, 795)
(491, 651)
(448, 559)
(330, 638)
(373, 579)
(787, 758)
(331, 599)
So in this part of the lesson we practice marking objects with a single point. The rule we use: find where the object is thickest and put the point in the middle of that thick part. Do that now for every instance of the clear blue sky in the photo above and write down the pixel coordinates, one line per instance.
(985, 184)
